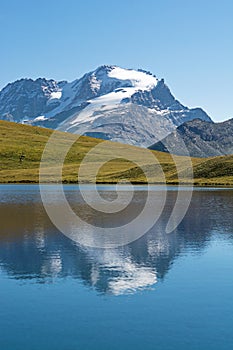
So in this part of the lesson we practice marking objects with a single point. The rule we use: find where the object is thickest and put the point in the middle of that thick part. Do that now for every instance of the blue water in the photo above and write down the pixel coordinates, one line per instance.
(160, 292)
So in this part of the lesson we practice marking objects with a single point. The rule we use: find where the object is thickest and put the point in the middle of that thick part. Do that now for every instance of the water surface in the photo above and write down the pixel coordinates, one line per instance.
(163, 291)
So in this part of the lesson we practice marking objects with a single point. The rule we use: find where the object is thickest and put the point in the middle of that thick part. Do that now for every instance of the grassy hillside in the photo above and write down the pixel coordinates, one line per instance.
(21, 148)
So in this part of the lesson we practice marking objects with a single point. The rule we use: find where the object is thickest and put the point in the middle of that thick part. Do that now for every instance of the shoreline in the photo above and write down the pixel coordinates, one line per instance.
(174, 184)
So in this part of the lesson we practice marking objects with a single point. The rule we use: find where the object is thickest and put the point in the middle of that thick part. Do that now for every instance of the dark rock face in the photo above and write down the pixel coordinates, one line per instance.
(202, 139)
(160, 98)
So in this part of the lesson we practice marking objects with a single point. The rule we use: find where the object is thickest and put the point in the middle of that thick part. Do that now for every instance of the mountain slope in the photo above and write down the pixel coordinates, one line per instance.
(202, 139)
(17, 140)
(29, 141)
(124, 105)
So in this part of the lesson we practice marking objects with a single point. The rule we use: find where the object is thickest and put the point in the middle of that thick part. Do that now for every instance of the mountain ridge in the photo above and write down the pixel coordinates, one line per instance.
(201, 138)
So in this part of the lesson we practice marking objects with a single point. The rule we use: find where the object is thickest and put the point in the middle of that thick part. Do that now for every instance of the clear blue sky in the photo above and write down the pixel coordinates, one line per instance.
(189, 43)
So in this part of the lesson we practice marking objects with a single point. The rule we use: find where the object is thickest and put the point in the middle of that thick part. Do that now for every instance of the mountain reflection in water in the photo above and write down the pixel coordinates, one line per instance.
(32, 249)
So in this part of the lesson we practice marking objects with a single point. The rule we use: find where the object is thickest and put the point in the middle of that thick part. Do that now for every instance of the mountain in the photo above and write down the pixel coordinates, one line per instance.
(202, 139)
(112, 103)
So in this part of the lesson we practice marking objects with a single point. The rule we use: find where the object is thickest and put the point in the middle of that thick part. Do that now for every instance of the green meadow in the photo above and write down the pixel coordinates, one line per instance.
(22, 146)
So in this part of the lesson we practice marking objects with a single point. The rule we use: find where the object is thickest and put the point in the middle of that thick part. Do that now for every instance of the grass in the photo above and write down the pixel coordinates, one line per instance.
(21, 148)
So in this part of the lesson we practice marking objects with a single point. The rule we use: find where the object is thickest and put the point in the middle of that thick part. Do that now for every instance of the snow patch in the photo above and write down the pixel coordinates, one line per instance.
(140, 80)
(40, 118)
(108, 101)
(55, 95)
(95, 83)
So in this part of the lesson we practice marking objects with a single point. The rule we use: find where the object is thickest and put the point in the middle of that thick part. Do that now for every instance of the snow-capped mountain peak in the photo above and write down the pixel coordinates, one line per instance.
(105, 79)
(112, 85)
(111, 102)
(109, 78)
